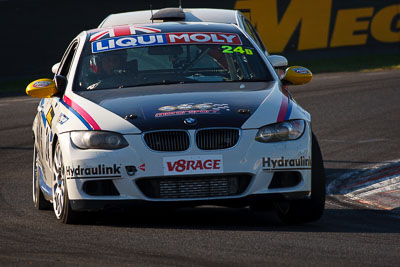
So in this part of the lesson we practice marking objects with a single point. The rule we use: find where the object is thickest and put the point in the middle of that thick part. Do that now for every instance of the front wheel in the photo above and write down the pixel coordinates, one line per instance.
(61, 205)
(307, 210)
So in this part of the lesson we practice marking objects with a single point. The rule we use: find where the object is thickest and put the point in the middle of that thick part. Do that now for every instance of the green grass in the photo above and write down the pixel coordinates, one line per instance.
(354, 63)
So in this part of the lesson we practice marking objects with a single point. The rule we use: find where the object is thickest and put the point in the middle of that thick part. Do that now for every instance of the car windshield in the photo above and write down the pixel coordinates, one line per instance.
(170, 64)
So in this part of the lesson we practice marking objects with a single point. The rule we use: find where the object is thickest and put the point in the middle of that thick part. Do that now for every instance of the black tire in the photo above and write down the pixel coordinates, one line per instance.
(39, 200)
(307, 210)
(61, 204)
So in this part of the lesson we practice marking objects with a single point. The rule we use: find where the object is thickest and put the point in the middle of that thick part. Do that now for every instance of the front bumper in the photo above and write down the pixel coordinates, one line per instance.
(124, 169)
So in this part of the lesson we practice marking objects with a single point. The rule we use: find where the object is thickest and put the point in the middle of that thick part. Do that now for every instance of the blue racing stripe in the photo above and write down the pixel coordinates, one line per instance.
(77, 114)
(46, 189)
(43, 118)
(289, 109)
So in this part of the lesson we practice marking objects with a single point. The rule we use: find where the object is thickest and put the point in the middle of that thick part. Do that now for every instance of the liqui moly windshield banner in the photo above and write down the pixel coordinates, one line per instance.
(165, 39)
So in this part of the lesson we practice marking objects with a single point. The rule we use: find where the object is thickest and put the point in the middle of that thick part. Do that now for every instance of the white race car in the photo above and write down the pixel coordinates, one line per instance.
(173, 114)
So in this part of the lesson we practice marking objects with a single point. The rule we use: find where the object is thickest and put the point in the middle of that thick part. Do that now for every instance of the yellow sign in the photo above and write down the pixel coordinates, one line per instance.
(319, 25)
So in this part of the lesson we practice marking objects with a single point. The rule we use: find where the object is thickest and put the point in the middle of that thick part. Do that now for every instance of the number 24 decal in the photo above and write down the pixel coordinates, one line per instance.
(229, 49)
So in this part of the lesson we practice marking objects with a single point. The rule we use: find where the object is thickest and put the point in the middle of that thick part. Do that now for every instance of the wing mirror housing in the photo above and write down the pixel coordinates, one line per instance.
(297, 75)
(46, 88)
(278, 61)
(42, 88)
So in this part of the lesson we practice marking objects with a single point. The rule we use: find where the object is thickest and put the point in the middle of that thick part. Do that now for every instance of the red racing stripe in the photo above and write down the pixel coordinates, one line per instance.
(283, 109)
(82, 112)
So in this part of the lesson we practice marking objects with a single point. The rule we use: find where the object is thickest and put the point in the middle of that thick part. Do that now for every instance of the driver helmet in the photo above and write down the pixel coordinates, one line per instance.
(96, 61)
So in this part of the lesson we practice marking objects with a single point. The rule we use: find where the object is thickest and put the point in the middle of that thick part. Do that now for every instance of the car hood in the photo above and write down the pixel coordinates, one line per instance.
(185, 106)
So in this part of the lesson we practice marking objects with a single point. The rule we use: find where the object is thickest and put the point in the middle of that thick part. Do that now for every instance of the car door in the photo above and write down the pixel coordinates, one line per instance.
(50, 113)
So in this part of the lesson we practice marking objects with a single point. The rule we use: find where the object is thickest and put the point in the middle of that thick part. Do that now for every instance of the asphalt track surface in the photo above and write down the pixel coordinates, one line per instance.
(356, 118)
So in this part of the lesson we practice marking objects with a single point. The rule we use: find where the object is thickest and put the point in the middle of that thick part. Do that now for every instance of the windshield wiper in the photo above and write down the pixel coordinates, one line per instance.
(251, 80)
(164, 82)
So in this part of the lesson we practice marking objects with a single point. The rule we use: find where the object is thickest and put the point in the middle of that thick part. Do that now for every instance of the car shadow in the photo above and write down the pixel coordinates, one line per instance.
(340, 220)
(338, 217)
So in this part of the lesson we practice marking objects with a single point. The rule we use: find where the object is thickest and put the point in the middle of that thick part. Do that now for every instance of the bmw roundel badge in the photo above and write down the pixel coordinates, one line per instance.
(190, 121)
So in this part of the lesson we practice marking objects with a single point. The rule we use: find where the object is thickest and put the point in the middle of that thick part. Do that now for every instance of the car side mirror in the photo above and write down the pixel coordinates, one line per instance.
(42, 88)
(61, 83)
(278, 61)
(297, 75)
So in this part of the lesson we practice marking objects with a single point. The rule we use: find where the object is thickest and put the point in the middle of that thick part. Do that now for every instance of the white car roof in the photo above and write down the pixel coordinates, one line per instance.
(191, 15)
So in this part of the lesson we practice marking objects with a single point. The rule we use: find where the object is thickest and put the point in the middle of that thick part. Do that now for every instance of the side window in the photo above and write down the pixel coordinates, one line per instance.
(67, 59)
(251, 31)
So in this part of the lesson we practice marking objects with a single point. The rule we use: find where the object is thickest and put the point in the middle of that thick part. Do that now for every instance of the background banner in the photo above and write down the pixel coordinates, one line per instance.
(36, 33)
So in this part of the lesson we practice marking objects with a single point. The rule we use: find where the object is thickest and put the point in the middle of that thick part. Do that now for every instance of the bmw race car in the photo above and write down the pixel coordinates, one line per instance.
(173, 114)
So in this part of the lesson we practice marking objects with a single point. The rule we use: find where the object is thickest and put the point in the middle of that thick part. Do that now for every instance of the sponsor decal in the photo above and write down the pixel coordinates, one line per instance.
(93, 172)
(130, 170)
(193, 164)
(185, 112)
(62, 119)
(191, 109)
(142, 167)
(185, 107)
(167, 108)
(203, 106)
(203, 37)
(50, 115)
(282, 162)
(130, 41)
(41, 84)
(300, 70)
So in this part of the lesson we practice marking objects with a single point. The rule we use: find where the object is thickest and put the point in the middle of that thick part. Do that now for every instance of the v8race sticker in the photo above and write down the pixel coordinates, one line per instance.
(193, 164)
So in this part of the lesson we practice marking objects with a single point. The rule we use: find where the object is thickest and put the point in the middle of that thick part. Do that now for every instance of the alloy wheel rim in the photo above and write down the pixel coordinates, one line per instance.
(58, 184)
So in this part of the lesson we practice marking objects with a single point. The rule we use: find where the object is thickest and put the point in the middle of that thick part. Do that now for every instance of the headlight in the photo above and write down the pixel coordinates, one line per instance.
(288, 130)
(98, 140)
